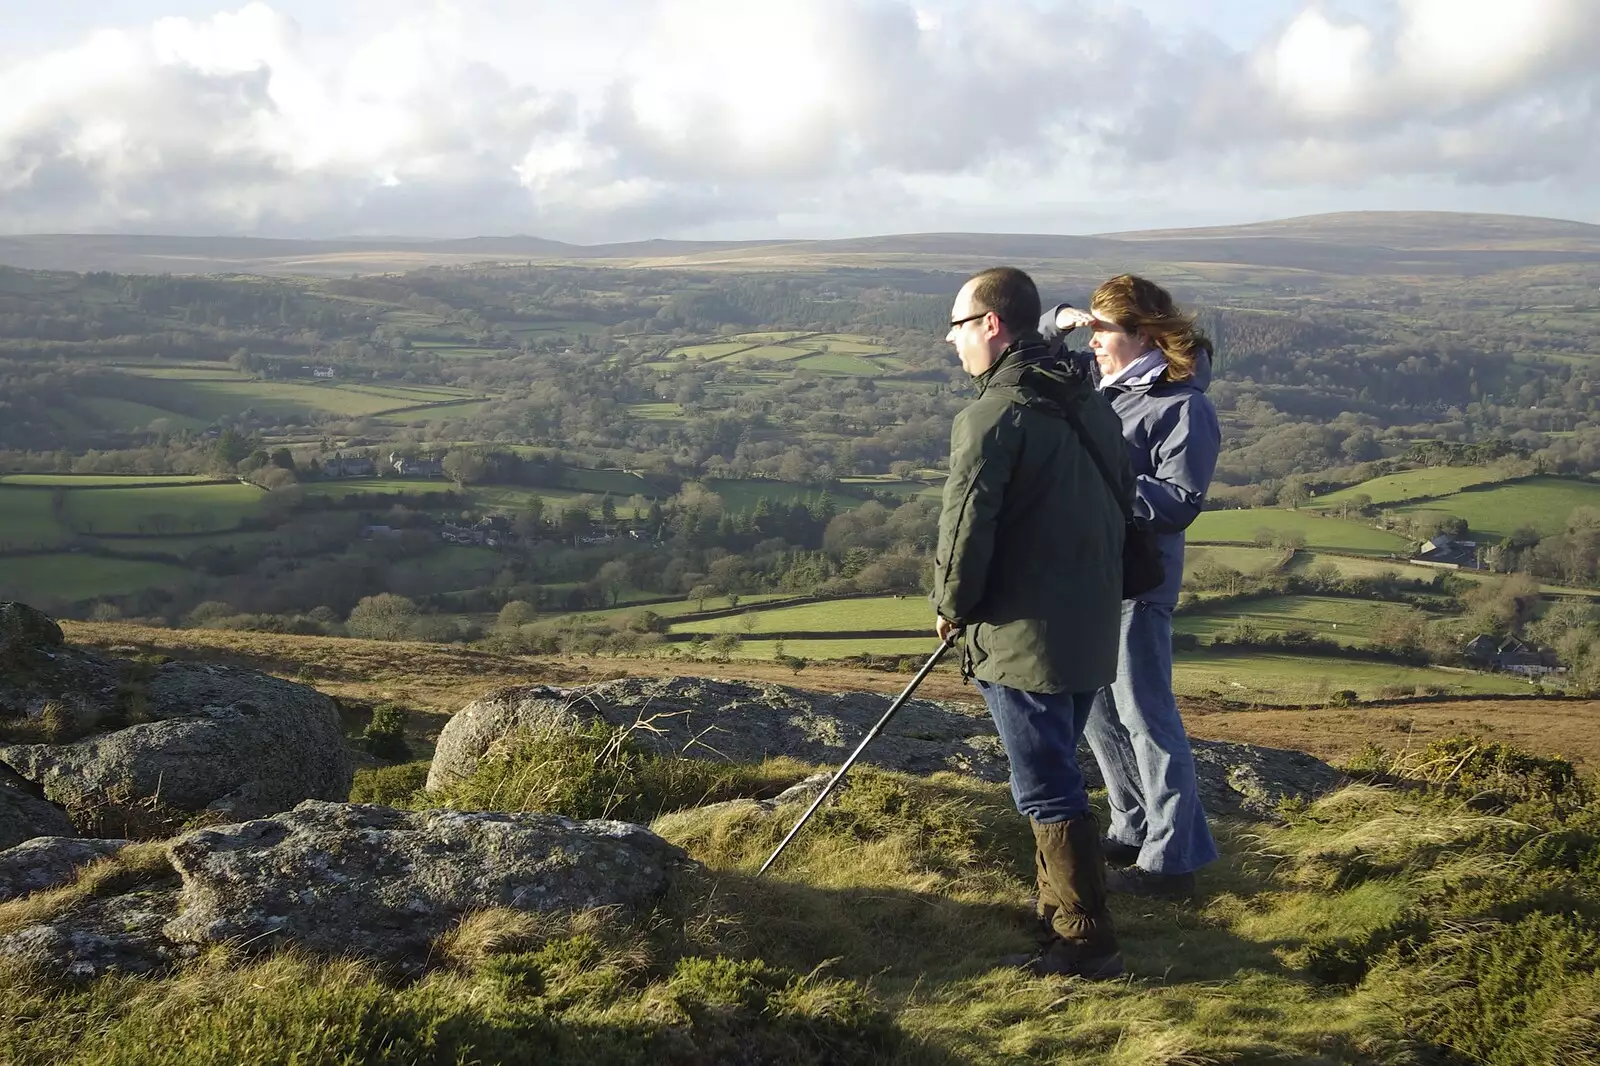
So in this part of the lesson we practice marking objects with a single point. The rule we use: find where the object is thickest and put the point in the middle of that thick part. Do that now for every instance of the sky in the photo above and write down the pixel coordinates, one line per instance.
(605, 120)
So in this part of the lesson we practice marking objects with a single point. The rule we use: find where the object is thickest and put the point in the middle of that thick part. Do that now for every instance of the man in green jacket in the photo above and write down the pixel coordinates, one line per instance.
(1029, 570)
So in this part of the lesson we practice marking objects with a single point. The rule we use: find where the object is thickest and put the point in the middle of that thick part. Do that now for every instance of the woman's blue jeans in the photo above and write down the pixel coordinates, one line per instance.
(1139, 741)
(1040, 731)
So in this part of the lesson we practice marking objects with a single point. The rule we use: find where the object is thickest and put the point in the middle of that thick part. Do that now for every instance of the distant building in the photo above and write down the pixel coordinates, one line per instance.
(416, 467)
(1448, 552)
(1513, 655)
(349, 466)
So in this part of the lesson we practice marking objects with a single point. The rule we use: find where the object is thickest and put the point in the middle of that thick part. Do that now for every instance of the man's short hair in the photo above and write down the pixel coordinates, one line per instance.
(1011, 295)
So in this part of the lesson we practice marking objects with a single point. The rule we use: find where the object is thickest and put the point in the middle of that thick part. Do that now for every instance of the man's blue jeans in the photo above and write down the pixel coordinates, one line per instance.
(1040, 732)
(1139, 742)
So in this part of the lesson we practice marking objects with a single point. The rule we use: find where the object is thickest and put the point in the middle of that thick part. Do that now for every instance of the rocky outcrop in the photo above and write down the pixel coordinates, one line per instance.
(350, 880)
(733, 721)
(339, 878)
(25, 813)
(742, 721)
(46, 861)
(139, 749)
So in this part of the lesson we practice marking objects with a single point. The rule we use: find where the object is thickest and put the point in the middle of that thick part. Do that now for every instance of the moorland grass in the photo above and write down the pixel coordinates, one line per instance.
(1394, 921)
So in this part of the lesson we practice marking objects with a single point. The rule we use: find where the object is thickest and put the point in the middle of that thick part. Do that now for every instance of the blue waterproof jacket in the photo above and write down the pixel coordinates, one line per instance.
(1173, 440)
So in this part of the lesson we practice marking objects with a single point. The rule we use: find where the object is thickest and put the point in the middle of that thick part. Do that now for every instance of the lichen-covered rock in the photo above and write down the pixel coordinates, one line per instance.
(24, 814)
(733, 721)
(23, 629)
(743, 721)
(118, 934)
(222, 742)
(358, 879)
(47, 861)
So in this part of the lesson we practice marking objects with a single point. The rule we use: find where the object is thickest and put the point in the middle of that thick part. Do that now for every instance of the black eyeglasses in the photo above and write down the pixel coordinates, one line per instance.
(955, 322)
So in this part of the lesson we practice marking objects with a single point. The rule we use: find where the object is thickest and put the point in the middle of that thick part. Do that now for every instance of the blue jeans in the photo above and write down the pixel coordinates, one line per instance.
(1040, 731)
(1139, 742)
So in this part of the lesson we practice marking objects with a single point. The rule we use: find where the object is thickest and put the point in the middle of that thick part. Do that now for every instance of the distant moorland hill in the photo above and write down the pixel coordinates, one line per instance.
(1362, 242)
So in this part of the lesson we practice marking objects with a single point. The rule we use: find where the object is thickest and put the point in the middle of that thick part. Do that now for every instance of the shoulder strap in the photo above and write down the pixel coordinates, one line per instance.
(1099, 460)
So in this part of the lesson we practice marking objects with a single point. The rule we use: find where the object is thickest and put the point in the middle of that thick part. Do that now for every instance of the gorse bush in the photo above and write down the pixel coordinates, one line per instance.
(385, 734)
(391, 786)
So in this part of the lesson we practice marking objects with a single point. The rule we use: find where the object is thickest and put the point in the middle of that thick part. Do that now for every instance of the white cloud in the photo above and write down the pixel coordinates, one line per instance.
(645, 117)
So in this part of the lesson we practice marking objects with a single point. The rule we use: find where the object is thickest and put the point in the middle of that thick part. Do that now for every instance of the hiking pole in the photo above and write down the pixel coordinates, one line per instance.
(944, 646)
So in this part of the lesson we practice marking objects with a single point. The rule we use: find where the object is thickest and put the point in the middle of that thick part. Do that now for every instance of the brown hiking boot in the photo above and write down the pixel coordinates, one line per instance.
(1067, 958)
(1070, 875)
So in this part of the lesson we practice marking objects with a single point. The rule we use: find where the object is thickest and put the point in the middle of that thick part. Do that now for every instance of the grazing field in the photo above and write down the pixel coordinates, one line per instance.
(1249, 561)
(437, 413)
(377, 486)
(847, 344)
(127, 416)
(656, 412)
(92, 481)
(65, 579)
(840, 364)
(671, 609)
(1280, 678)
(185, 373)
(776, 353)
(710, 351)
(1328, 617)
(1543, 503)
(910, 613)
(1411, 484)
(741, 494)
(27, 520)
(619, 483)
(1351, 566)
(828, 648)
(210, 400)
(162, 508)
(1241, 527)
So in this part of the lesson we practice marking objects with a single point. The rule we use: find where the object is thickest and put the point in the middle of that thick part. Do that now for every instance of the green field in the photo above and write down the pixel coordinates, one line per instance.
(741, 494)
(827, 648)
(910, 613)
(847, 344)
(1543, 503)
(840, 364)
(27, 521)
(1328, 617)
(437, 413)
(1280, 678)
(451, 568)
(671, 608)
(377, 485)
(1249, 561)
(126, 416)
(1240, 526)
(709, 351)
(65, 579)
(656, 412)
(210, 400)
(775, 353)
(162, 509)
(91, 481)
(185, 373)
(1349, 566)
(1411, 484)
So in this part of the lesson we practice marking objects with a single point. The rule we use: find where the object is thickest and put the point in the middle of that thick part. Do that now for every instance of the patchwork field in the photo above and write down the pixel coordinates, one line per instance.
(1543, 503)
(162, 508)
(1279, 678)
(67, 579)
(89, 481)
(910, 613)
(1242, 527)
(1333, 618)
(1248, 561)
(1411, 484)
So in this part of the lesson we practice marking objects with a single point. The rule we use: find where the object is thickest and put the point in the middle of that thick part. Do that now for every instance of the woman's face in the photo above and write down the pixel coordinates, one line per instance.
(1114, 347)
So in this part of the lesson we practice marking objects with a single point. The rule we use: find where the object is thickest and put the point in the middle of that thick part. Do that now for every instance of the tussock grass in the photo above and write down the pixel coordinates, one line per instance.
(1385, 924)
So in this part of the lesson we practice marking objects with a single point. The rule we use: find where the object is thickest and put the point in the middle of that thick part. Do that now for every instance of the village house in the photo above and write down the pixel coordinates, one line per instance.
(416, 467)
(1512, 655)
(348, 466)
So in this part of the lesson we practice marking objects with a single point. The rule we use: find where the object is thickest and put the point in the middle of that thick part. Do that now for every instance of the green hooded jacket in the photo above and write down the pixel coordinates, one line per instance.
(1030, 537)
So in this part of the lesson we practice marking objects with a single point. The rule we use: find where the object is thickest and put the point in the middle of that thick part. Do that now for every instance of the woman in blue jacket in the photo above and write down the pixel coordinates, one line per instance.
(1154, 366)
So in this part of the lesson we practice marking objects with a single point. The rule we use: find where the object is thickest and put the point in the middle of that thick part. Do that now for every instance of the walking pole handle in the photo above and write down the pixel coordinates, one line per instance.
(944, 646)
